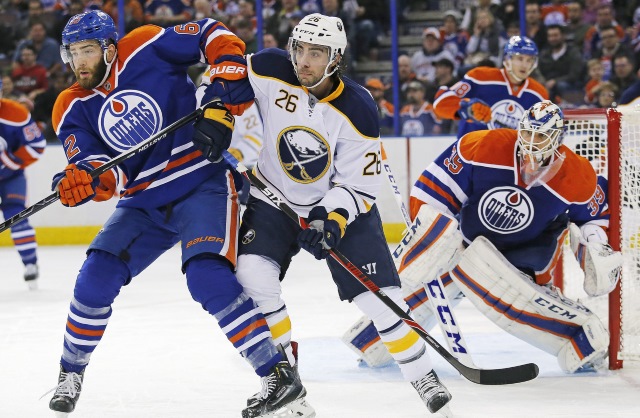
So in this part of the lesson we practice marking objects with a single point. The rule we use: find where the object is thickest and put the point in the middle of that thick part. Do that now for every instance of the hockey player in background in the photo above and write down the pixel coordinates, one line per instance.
(491, 98)
(516, 195)
(127, 91)
(321, 156)
(21, 144)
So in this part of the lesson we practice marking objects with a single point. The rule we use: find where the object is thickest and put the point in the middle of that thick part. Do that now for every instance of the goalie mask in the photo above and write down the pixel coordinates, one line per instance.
(92, 25)
(519, 46)
(325, 31)
(540, 134)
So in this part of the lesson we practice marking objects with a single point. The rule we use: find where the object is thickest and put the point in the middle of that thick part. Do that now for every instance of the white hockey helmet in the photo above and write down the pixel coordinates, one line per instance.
(318, 29)
(540, 133)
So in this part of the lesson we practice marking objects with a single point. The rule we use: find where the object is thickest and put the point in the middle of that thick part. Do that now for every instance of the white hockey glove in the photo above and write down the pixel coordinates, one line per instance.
(602, 265)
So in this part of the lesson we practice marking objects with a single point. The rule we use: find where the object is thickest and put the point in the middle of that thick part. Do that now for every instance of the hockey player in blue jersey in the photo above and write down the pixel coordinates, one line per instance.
(491, 98)
(321, 155)
(127, 90)
(21, 144)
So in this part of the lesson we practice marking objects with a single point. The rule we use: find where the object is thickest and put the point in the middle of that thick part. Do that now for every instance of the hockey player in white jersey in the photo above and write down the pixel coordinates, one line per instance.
(321, 155)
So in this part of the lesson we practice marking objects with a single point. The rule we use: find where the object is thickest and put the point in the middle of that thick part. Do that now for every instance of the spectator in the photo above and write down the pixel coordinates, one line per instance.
(279, 24)
(555, 13)
(385, 108)
(133, 13)
(508, 13)
(269, 41)
(535, 27)
(595, 69)
(75, 7)
(444, 78)
(604, 19)
(591, 11)
(9, 92)
(606, 94)
(167, 13)
(470, 13)
(560, 64)
(485, 40)
(30, 77)
(244, 30)
(576, 28)
(369, 18)
(624, 74)
(454, 39)
(610, 46)
(405, 75)
(47, 49)
(432, 51)
(632, 94)
(43, 108)
(202, 9)
(417, 117)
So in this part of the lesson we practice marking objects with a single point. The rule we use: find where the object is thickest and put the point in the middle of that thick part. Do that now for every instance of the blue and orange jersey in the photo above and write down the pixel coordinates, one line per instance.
(19, 135)
(147, 89)
(508, 102)
(478, 180)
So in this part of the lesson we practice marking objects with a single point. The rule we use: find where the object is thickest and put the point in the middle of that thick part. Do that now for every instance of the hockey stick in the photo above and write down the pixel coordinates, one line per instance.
(436, 295)
(509, 375)
(141, 147)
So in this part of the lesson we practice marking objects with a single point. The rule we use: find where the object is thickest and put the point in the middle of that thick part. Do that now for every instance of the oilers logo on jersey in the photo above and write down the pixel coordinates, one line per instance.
(506, 114)
(128, 118)
(303, 153)
(505, 210)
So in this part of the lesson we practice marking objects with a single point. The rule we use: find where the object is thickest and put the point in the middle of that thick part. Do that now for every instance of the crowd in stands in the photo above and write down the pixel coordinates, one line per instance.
(589, 49)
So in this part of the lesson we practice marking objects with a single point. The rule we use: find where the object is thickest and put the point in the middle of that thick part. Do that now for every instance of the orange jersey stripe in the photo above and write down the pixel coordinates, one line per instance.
(13, 112)
(223, 45)
(248, 329)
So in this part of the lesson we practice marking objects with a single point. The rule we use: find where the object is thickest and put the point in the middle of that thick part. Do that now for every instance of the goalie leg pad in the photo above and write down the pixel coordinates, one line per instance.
(430, 246)
(536, 314)
(405, 345)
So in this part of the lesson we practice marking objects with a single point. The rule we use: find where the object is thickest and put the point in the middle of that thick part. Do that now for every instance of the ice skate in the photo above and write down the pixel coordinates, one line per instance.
(66, 393)
(432, 392)
(282, 396)
(31, 276)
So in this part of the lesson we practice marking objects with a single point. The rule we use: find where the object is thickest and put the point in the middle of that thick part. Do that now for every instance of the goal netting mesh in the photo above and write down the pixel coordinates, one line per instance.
(610, 140)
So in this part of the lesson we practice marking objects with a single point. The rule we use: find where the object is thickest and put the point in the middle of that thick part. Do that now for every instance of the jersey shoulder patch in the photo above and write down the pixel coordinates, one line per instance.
(64, 100)
(13, 112)
(495, 147)
(485, 74)
(135, 39)
(274, 63)
(356, 103)
(576, 181)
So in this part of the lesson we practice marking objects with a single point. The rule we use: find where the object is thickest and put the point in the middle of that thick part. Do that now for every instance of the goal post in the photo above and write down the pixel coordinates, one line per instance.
(610, 140)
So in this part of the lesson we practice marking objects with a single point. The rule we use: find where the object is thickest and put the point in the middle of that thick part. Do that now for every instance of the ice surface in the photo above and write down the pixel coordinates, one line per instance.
(163, 356)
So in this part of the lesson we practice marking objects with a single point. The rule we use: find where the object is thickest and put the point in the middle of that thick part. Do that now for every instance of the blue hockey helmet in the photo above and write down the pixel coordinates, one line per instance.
(519, 45)
(91, 25)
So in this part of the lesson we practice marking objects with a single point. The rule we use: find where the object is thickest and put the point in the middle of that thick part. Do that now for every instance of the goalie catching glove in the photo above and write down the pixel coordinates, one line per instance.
(324, 232)
(474, 110)
(213, 131)
(602, 265)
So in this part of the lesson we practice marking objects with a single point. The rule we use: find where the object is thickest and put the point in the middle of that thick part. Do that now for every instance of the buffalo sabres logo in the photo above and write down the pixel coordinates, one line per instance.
(249, 236)
(304, 154)
(506, 114)
(128, 118)
(505, 210)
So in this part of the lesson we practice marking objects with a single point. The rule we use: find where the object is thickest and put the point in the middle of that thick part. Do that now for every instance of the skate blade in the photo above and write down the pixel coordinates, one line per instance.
(299, 408)
(62, 414)
(32, 284)
(444, 412)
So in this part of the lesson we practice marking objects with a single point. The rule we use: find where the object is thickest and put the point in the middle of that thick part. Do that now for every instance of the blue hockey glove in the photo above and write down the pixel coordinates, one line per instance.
(229, 82)
(213, 131)
(324, 232)
(474, 111)
(9, 164)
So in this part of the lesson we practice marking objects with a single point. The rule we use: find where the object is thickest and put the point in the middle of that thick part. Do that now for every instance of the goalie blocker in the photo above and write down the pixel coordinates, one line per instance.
(539, 315)
(430, 246)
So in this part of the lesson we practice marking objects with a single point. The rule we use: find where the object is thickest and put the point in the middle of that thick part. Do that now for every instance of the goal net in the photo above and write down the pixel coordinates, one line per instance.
(610, 140)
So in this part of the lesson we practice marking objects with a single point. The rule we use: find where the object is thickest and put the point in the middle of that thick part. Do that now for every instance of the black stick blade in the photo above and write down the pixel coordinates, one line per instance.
(506, 376)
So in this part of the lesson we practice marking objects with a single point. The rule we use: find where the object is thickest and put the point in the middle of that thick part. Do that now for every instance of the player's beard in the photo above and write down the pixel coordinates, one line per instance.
(92, 82)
